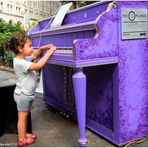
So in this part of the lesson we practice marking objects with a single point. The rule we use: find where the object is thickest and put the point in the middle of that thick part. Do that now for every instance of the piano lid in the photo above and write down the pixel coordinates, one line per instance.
(77, 24)
(84, 14)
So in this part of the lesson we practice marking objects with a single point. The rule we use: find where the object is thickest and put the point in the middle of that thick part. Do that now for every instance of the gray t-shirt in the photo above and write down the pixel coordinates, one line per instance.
(25, 80)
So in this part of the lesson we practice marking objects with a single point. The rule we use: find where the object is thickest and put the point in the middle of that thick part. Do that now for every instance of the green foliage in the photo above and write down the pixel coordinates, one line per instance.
(33, 24)
(8, 58)
(78, 3)
(84, 3)
(6, 30)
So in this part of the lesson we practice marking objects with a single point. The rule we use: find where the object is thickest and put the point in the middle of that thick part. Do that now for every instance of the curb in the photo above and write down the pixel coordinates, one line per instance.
(8, 69)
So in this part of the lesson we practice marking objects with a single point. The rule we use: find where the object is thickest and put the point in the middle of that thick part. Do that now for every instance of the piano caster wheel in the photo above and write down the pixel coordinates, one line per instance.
(82, 143)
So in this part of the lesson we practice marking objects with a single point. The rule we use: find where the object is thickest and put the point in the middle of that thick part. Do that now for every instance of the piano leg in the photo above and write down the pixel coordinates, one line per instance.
(79, 84)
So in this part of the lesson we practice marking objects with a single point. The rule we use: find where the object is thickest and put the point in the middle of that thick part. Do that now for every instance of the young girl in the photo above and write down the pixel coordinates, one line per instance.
(24, 92)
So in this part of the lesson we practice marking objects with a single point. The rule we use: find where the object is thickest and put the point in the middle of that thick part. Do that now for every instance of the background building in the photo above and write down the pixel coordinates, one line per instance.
(27, 11)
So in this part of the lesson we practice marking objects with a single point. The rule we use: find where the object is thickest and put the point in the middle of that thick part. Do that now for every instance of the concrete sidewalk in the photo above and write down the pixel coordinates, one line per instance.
(55, 131)
(6, 78)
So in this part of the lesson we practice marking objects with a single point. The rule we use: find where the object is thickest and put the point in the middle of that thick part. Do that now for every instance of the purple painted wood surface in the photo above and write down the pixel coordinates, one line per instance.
(58, 88)
(133, 82)
(104, 44)
(79, 86)
(99, 80)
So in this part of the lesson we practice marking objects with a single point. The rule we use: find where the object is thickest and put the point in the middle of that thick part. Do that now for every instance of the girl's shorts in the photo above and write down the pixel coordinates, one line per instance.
(24, 102)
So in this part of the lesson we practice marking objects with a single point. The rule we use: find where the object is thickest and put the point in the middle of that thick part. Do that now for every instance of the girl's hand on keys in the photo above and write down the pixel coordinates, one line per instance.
(46, 47)
(52, 49)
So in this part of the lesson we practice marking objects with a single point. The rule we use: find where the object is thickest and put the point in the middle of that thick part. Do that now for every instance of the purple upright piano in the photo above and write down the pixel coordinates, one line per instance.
(99, 73)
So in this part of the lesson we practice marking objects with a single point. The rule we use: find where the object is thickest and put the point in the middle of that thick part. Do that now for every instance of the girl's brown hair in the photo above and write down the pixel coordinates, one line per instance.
(17, 40)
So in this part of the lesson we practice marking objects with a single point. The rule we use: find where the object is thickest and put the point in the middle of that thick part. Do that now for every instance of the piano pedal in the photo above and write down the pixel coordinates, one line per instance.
(66, 115)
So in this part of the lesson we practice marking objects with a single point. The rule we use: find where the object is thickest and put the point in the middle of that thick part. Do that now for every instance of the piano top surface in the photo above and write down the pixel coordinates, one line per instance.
(75, 17)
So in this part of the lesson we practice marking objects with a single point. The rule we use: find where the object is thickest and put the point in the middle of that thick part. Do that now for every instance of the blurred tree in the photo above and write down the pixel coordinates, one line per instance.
(6, 30)
(78, 4)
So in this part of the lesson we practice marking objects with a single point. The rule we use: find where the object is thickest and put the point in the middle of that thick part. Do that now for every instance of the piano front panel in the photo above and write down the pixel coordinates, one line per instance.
(64, 40)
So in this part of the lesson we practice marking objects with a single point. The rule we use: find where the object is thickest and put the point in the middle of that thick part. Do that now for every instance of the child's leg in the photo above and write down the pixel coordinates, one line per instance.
(27, 118)
(30, 134)
(22, 119)
(29, 109)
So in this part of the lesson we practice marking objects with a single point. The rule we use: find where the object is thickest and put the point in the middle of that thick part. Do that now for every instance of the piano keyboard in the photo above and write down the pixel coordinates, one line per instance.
(63, 50)
(60, 50)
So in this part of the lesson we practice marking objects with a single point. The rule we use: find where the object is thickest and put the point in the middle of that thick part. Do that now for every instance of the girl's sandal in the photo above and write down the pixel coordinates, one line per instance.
(28, 135)
(22, 143)
(27, 141)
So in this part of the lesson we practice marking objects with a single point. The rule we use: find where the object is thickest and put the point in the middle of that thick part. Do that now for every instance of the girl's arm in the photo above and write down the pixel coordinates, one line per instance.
(37, 52)
(39, 65)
